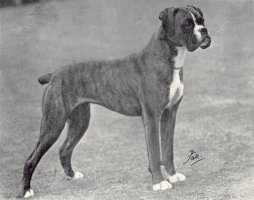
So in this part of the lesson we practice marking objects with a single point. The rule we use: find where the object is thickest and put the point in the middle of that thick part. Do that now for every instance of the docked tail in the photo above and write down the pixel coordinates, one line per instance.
(44, 79)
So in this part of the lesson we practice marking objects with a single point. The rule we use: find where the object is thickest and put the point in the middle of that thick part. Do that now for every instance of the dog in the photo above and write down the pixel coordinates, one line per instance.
(147, 84)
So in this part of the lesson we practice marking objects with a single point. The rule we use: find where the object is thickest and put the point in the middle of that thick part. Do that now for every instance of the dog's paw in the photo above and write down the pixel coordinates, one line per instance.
(29, 193)
(176, 177)
(78, 175)
(163, 185)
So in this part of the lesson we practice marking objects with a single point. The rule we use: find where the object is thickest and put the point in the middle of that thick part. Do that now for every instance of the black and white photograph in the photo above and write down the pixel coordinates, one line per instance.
(127, 99)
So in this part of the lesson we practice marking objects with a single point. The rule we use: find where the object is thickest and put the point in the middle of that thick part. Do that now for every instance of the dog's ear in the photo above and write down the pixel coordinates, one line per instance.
(197, 9)
(167, 17)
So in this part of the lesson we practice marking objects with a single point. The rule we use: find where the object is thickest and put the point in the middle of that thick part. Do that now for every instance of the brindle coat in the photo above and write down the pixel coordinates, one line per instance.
(138, 85)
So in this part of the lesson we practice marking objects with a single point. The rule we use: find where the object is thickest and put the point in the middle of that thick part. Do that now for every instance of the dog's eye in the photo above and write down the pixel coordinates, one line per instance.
(200, 21)
(188, 24)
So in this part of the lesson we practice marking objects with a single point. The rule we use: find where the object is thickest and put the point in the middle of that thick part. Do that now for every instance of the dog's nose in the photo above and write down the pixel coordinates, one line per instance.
(203, 30)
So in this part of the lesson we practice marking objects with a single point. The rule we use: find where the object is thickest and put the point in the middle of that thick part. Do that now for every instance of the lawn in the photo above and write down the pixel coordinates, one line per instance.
(215, 118)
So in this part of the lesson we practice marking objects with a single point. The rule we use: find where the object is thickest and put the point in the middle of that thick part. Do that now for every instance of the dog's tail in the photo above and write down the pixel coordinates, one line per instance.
(44, 79)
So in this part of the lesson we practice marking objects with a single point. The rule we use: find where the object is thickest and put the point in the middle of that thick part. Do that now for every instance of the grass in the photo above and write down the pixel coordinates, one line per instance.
(215, 117)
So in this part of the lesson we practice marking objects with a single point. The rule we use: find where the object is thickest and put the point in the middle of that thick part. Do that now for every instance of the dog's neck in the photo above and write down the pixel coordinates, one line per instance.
(179, 59)
(165, 50)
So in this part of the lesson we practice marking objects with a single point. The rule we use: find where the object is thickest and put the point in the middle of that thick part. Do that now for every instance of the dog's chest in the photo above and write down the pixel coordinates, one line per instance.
(176, 85)
(176, 88)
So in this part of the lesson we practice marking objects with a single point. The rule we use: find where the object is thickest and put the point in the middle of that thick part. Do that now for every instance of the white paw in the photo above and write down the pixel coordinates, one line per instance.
(29, 193)
(163, 185)
(78, 175)
(176, 177)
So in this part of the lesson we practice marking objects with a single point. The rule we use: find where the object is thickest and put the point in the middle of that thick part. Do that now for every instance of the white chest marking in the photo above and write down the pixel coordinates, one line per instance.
(176, 86)
(197, 29)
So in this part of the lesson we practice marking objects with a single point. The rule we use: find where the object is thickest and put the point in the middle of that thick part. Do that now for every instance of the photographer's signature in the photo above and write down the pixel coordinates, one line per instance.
(193, 157)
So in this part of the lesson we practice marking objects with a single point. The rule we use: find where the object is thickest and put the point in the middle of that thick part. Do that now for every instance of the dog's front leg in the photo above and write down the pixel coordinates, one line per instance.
(168, 120)
(152, 127)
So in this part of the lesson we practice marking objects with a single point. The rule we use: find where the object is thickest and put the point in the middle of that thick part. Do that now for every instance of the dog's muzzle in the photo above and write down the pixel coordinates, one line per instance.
(206, 43)
(194, 43)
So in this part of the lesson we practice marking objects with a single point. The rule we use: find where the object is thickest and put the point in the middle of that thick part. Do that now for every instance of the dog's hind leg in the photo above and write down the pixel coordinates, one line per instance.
(78, 124)
(53, 121)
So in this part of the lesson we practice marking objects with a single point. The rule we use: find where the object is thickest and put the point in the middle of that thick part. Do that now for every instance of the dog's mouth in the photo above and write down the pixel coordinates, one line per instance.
(206, 42)
(193, 44)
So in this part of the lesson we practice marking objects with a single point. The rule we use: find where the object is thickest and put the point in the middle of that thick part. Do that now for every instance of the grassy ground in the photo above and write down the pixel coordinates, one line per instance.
(215, 118)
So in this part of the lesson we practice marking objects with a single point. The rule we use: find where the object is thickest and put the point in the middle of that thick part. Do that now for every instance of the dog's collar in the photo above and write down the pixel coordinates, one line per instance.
(160, 60)
(177, 67)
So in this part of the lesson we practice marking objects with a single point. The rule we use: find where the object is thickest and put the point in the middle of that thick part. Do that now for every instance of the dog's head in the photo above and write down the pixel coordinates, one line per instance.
(185, 26)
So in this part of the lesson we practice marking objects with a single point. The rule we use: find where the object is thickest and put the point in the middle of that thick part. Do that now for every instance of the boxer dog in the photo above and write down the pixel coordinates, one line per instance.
(147, 84)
